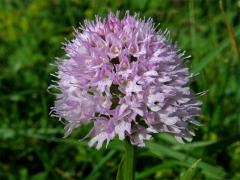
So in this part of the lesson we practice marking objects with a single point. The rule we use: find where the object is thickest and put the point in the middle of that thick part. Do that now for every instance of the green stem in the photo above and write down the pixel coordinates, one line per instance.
(129, 164)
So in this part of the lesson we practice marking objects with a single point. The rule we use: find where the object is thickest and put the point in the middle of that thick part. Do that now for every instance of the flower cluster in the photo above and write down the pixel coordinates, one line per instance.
(127, 79)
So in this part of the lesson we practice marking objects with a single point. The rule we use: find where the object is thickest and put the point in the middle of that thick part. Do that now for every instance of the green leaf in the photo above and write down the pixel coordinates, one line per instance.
(190, 173)
(39, 176)
(208, 169)
(120, 169)
(126, 169)
(199, 144)
(212, 54)
(101, 163)
(23, 174)
(154, 169)
(128, 166)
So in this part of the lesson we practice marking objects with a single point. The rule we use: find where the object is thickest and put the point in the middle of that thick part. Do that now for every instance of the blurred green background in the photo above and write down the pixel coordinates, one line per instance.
(31, 143)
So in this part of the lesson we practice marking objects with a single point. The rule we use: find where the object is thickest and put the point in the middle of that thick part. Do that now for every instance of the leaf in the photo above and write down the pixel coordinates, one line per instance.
(7, 133)
(126, 169)
(39, 176)
(208, 169)
(23, 174)
(139, 4)
(101, 163)
(212, 54)
(199, 144)
(149, 171)
(128, 165)
(120, 169)
(189, 174)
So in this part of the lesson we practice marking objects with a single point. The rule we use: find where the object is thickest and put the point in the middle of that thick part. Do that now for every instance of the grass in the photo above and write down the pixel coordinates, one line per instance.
(31, 143)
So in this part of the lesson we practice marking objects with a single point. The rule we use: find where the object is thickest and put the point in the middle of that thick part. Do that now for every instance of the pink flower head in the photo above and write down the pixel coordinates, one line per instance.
(127, 79)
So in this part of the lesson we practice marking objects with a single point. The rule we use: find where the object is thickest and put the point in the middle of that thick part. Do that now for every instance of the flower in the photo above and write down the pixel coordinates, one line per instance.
(127, 79)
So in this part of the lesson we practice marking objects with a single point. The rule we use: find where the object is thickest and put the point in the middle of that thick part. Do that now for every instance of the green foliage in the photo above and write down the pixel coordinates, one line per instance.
(31, 143)
(190, 173)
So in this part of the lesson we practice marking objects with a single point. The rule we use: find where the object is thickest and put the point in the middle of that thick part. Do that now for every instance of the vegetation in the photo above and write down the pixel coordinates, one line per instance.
(31, 143)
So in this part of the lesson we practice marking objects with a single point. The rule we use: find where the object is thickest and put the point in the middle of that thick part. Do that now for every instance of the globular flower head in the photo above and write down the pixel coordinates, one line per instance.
(127, 79)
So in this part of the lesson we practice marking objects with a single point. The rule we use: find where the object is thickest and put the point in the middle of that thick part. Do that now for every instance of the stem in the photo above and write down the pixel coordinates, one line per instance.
(129, 164)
